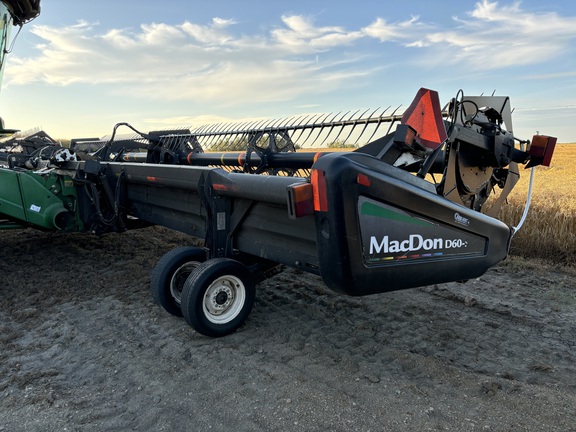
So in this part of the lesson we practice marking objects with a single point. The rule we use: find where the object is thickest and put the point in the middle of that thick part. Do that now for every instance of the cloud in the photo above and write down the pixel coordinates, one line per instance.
(301, 35)
(497, 36)
(216, 62)
(385, 32)
(212, 35)
(191, 61)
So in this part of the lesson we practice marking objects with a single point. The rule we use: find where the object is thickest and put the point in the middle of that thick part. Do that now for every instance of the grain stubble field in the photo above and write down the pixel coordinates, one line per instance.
(85, 348)
(550, 228)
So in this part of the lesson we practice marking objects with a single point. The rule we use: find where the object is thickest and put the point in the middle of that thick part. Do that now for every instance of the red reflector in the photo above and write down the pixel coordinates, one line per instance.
(150, 178)
(219, 187)
(319, 188)
(363, 180)
(425, 115)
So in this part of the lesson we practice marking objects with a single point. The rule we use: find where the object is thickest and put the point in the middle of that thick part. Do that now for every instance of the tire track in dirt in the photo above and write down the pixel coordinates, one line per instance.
(497, 340)
(84, 347)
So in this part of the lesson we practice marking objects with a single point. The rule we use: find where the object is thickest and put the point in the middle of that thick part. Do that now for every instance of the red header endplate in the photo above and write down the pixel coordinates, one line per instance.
(425, 116)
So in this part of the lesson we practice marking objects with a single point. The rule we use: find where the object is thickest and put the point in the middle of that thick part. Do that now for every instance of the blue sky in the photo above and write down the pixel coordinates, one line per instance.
(82, 66)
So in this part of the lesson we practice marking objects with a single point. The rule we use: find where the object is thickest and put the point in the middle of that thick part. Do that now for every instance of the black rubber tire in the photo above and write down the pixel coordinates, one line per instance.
(218, 297)
(170, 274)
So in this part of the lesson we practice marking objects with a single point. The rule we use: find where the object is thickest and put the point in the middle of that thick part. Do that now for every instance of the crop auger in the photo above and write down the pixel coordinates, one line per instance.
(415, 202)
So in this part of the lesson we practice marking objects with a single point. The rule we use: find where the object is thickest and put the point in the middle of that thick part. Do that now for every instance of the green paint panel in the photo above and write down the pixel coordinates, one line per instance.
(43, 201)
(10, 196)
(371, 209)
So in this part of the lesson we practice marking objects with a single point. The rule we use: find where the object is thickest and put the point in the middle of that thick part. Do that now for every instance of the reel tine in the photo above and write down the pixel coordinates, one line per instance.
(322, 125)
(222, 136)
(237, 130)
(276, 125)
(302, 130)
(209, 136)
(380, 121)
(286, 125)
(331, 122)
(296, 118)
(210, 128)
(342, 126)
(255, 125)
(313, 125)
(298, 128)
(355, 124)
(201, 134)
(252, 131)
(270, 125)
(199, 130)
(274, 131)
(365, 125)
(290, 127)
(393, 119)
(269, 129)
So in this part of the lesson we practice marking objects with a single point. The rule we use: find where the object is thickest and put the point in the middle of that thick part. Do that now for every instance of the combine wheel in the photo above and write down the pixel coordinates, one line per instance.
(170, 274)
(218, 297)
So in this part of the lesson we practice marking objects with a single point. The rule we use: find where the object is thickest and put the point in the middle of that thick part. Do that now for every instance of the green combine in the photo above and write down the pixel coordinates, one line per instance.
(26, 199)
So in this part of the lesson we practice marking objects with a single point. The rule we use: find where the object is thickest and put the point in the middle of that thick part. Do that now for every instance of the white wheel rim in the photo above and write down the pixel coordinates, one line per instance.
(179, 278)
(224, 299)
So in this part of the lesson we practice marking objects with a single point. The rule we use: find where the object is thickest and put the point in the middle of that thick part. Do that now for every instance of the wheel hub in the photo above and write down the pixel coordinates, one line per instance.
(179, 278)
(220, 298)
(224, 299)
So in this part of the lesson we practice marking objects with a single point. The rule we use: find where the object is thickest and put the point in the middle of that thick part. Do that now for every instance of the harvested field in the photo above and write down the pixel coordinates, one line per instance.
(84, 348)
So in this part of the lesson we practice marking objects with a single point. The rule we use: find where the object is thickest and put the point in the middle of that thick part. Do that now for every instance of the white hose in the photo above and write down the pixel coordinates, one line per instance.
(527, 207)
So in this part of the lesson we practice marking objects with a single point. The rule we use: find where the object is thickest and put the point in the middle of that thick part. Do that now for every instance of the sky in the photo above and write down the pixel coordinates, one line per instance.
(83, 66)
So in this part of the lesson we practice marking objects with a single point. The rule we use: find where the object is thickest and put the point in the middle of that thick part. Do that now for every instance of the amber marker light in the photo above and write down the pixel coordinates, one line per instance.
(300, 200)
(319, 188)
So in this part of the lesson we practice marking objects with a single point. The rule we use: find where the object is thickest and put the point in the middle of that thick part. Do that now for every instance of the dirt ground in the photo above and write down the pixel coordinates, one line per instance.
(84, 348)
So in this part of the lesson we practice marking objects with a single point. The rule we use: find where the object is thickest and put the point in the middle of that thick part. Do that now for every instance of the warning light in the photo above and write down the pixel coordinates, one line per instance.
(541, 150)
(300, 200)
(220, 187)
(319, 187)
(363, 179)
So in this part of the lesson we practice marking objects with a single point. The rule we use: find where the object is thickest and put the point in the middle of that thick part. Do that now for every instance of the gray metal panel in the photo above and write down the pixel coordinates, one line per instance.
(269, 233)
(174, 208)
(166, 195)
(174, 176)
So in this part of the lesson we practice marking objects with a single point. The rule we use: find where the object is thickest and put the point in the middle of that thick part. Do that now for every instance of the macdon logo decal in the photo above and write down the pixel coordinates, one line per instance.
(415, 242)
(461, 219)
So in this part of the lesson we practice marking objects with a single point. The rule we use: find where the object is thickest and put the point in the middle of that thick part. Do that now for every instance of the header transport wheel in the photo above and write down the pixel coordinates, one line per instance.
(170, 274)
(218, 297)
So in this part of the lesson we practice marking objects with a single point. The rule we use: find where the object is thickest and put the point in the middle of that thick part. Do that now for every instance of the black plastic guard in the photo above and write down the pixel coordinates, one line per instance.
(388, 230)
